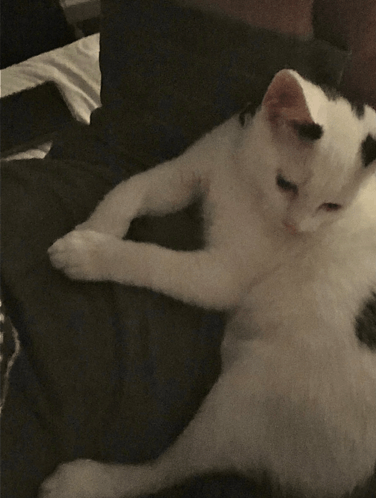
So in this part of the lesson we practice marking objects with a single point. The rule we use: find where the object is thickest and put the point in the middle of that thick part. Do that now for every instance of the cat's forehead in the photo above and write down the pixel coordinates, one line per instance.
(347, 120)
(335, 163)
(348, 142)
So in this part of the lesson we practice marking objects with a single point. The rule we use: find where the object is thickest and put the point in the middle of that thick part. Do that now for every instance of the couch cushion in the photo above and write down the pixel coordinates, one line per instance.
(170, 74)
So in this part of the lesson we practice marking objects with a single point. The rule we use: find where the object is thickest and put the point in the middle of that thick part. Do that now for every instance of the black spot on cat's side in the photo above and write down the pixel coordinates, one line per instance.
(366, 324)
(368, 150)
(309, 131)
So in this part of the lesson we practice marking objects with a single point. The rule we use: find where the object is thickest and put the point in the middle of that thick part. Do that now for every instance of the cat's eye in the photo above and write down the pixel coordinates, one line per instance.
(330, 206)
(285, 185)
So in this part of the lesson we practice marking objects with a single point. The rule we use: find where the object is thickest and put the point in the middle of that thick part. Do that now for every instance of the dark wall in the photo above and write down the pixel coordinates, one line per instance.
(30, 27)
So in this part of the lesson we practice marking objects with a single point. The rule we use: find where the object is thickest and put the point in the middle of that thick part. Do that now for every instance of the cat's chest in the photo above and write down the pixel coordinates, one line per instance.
(235, 225)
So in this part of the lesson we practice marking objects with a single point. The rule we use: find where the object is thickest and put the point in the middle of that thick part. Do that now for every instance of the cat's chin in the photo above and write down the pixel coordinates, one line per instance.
(291, 231)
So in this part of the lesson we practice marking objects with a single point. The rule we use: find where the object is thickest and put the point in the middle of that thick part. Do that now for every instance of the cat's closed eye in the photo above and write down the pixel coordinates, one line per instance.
(285, 185)
(330, 206)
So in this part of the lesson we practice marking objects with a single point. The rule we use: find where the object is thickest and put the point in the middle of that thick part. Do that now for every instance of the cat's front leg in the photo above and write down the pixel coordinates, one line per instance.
(204, 278)
(163, 189)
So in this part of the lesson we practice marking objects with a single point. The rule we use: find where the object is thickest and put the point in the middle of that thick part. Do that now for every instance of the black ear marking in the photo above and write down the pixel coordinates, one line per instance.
(249, 109)
(368, 150)
(309, 131)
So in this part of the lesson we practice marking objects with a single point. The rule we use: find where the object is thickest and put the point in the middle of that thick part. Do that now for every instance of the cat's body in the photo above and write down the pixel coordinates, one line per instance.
(290, 212)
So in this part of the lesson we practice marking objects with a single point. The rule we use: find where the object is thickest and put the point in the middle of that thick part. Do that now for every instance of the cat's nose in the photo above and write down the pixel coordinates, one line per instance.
(291, 228)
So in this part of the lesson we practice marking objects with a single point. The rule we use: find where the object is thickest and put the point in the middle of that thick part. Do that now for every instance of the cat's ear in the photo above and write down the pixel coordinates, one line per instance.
(285, 101)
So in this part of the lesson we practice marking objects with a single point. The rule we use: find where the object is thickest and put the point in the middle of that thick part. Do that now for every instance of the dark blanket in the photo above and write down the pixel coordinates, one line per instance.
(107, 371)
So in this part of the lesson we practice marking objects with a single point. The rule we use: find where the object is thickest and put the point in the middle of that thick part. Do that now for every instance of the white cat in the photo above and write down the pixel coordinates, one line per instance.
(290, 209)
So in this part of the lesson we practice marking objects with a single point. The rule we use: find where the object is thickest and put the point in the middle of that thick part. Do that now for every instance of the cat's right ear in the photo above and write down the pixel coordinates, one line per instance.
(285, 101)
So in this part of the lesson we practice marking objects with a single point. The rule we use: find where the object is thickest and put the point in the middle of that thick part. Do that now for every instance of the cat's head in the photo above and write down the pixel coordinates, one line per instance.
(313, 151)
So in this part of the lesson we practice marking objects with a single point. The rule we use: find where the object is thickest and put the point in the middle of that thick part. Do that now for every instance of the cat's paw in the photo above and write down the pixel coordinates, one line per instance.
(83, 254)
(78, 479)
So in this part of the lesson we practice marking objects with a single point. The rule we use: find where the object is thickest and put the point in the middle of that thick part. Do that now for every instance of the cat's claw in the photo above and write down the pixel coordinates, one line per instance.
(79, 479)
(82, 255)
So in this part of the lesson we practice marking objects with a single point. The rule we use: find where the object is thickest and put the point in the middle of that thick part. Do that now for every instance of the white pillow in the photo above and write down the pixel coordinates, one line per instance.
(74, 68)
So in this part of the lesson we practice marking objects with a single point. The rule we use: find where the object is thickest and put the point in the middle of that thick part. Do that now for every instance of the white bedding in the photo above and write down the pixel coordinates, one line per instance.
(74, 68)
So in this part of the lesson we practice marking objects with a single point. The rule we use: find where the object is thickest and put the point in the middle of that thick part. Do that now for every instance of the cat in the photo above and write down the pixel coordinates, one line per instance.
(289, 202)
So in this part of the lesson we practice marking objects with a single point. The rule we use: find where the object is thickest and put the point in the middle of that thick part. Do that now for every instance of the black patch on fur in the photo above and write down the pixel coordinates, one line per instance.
(249, 109)
(358, 109)
(333, 94)
(366, 324)
(330, 92)
(309, 131)
(368, 150)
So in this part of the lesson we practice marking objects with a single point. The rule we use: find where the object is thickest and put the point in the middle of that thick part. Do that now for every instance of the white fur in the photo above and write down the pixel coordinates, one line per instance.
(297, 394)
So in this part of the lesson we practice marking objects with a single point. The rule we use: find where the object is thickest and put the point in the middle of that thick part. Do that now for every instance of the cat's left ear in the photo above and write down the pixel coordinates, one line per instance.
(286, 101)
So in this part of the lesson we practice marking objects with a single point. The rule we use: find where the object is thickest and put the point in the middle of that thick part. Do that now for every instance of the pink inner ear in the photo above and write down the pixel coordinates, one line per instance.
(285, 100)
